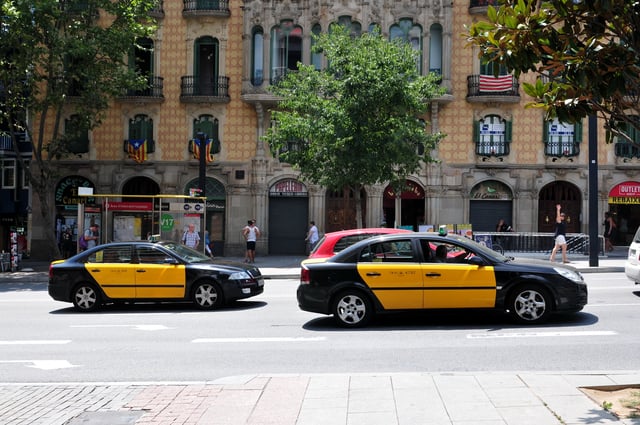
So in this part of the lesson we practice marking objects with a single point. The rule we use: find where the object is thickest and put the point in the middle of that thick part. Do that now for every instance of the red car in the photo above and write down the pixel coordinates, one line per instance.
(334, 242)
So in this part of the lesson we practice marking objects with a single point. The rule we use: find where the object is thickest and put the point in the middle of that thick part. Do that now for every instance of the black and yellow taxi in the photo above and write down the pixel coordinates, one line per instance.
(435, 271)
(150, 271)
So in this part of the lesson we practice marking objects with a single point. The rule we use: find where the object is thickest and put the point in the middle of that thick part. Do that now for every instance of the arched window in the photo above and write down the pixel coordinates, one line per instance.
(257, 57)
(355, 29)
(405, 30)
(492, 136)
(316, 57)
(205, 66)
(286, 49)
(435, 49)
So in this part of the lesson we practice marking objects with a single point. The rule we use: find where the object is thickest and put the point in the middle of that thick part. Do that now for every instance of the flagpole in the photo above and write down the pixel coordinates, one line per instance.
(203, 162)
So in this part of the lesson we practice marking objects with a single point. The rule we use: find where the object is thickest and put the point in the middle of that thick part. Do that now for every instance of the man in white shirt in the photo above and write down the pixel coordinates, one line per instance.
(251, 234)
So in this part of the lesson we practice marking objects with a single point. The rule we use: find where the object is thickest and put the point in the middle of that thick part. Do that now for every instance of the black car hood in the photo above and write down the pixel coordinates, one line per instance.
(230, 266)
(541, 263)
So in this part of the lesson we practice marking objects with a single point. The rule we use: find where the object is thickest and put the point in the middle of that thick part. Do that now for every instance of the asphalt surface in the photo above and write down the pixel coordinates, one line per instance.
(520, 398)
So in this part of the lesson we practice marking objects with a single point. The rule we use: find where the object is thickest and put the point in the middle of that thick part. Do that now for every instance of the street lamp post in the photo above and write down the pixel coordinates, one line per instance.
(594, 242)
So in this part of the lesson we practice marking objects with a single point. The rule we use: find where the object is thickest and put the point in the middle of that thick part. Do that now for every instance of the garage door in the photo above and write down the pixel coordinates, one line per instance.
(288, 224)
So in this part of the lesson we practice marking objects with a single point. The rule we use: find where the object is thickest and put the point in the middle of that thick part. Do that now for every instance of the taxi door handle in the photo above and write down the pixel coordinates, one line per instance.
(433, 275)
(373, 274)
(141, 271)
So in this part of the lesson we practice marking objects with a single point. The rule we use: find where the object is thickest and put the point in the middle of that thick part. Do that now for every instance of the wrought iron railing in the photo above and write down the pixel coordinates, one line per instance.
(206, 5)
(474, 88)
(577, 243)
(155, 86)
(197, 86)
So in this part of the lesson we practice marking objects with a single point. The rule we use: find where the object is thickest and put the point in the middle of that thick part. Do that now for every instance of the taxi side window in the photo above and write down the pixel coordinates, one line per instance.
(151, 255)
(111, 255)
(388, 252)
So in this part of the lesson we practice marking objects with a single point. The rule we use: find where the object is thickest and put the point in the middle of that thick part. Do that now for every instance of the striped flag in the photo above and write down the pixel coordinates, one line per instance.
(196, 150)
(137, 150)
(489, 83)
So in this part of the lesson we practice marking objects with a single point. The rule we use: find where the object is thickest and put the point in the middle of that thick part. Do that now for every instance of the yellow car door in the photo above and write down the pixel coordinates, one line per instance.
(155, 277)
(392, 272)
(458, 285)
(111, 269)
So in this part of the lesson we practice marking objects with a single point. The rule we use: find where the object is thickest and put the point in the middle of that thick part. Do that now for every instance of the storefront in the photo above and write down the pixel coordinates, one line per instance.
(624, 205)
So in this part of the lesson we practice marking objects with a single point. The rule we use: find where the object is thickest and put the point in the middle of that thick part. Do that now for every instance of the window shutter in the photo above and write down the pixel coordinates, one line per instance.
(545, 131)
(577, 132)
(476, 131)
(508, 131)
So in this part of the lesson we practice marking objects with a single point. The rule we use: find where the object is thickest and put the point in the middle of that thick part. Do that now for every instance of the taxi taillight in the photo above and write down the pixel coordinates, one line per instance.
(305, 278)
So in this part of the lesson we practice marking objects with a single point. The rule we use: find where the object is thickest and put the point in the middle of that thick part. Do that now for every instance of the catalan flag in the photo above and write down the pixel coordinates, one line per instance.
(502, 83)
(137, 150)
(196, 150)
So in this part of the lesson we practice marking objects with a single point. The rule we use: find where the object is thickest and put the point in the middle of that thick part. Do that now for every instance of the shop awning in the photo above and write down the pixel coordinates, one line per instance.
(625, 193)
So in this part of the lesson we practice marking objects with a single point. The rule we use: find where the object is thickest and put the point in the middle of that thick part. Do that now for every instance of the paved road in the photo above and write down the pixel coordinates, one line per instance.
(519, 398)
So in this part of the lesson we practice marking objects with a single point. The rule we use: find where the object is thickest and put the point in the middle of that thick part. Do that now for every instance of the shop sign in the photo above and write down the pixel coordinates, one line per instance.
(215, 205)
(187, 207)
(491, 190)
(411, 191)
(128, 206)
(625, 193)
(288, 187)
(66, 192)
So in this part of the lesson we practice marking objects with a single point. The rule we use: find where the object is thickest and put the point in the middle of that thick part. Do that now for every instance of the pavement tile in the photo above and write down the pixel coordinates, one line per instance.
(512, 397)
(372, 418)
(575, 409)
(528, 415)
(323, 416)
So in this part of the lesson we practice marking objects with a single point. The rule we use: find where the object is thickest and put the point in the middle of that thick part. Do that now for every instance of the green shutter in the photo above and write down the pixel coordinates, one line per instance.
(577, 132)
(476, 131)
(508, 131)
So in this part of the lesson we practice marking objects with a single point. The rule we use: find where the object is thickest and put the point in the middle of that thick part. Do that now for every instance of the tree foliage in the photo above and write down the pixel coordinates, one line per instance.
(587, 53)
(357, 122)
(62, 58)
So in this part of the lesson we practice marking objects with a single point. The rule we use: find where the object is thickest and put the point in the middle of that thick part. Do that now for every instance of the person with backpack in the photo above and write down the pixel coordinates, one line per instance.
(89, 238)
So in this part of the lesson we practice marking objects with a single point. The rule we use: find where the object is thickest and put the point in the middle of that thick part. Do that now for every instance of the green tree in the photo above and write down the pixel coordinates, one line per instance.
(587, 53)
(357, 122)
(59, 58)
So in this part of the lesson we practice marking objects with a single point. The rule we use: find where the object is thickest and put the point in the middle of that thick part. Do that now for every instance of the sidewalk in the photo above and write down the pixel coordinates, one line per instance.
(457, 398)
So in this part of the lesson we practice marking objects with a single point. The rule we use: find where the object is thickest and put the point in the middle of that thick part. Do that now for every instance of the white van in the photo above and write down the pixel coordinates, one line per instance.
(632, 265)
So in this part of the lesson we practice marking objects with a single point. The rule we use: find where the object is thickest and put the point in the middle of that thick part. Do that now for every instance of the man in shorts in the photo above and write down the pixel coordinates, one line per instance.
(251, 234)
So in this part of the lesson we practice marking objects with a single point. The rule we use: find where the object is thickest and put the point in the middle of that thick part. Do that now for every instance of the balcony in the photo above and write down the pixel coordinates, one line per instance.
(152, 93)
(7, 148)
(204, 90)
(158, 10)
(196, 8)
(479, 7)
(487, 88)
(627, 154)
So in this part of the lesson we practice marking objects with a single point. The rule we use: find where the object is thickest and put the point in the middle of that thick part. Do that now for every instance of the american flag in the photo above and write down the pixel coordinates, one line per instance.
(137, 150)
(489, 83)
(196, 149)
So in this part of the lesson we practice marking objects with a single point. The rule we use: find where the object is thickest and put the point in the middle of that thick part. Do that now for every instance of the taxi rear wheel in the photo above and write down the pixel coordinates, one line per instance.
(530, 304)
(351, 309)
(207, 295)
(86, 297)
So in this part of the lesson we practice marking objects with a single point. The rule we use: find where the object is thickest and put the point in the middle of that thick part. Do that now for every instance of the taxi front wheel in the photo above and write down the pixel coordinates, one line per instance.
(86, 297)
(207, 295)
(351, 309)
(530, 304)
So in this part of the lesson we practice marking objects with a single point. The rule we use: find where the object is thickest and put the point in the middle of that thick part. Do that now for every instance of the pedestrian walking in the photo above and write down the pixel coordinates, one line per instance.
(312, 236)
(207, 243)
(91, 235)
(251, 233)
(191, 238)
(560, 236)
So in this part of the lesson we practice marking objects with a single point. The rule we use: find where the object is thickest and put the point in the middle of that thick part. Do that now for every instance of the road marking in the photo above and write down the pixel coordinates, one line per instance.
(265, 339)
(138, 327)
(43, 364)
(540, 334)
(36, 342)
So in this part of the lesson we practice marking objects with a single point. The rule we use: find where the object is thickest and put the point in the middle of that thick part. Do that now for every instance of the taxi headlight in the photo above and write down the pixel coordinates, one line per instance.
(240, 276)
(569, 274)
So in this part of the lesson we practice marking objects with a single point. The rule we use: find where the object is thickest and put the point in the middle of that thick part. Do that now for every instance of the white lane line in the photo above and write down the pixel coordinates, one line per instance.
(540, 334)
(43, 364)
(265, 339)
(36, 342)
(138, 327)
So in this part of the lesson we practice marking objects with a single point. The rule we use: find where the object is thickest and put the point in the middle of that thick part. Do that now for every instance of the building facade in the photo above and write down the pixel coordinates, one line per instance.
(210, 66)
